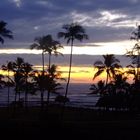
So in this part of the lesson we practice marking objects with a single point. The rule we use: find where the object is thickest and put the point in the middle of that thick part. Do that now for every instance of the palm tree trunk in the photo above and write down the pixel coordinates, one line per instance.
(26, 93)
(42, 90)
(67, 86)
(43, 69)
(8, 89)
(49, 61)
(138, 65)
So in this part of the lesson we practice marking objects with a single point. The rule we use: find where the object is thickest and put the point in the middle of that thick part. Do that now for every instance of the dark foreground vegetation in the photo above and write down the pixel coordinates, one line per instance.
(75, 123)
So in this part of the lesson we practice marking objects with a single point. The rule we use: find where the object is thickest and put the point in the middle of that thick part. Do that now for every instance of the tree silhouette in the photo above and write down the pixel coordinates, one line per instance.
(46, 44)
(8, 67)
(52, 46)
(27, 72)
(4, 33)
(72, 32)
(18, 76)
(109, 66)
(98, 88)
(135, 52)
(52, 85)
(47, 82)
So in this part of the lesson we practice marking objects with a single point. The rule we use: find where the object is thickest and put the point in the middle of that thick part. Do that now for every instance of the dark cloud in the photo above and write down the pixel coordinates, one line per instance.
(78, 60)
(103, 20)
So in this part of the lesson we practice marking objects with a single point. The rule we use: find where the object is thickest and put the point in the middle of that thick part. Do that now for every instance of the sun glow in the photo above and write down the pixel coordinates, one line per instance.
(79, 74)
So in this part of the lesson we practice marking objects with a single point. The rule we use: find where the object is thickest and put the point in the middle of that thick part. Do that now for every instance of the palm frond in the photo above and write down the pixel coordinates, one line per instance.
(99, 72)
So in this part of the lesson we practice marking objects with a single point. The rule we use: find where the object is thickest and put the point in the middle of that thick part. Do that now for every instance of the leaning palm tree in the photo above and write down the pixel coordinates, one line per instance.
(8, 67)
(72, 32)
(109, 66)
(4, 33)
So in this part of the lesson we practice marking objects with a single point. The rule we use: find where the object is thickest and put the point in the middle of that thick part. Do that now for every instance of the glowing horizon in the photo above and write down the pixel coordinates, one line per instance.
(98, 48)
(79, 74)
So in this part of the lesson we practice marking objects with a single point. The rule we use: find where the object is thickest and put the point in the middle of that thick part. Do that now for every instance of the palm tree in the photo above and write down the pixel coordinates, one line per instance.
(72, 32)
(120, 83)
(4, 33)
(27, 72)
(98, 88)
(40, 45)
(135, 52)
(46, 44)
(109, 66)
(8, 67)
(18, 75)
(52, 85)
(51, 47)
(39, 84)
(47, 82)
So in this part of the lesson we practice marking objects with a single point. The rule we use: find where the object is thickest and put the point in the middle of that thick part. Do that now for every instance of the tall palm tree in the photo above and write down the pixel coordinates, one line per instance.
(8, 67)
(72, 32)
(52, 46)
(39, 84)
(18, 75)
(4, 33)
(109, 66)
(40, 45)
(27, 72)
(46, 44)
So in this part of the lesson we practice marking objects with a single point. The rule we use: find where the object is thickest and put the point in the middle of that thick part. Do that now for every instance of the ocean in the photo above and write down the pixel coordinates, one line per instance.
(79, 96)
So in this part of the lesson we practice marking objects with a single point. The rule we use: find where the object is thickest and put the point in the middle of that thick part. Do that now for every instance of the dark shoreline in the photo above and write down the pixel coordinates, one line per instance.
(76, 123)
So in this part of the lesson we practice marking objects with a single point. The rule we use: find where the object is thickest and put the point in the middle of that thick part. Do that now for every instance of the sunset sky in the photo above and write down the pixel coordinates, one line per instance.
(109, 24)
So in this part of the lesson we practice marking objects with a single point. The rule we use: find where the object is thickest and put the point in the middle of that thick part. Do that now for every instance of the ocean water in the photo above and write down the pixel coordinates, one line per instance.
(79, 95)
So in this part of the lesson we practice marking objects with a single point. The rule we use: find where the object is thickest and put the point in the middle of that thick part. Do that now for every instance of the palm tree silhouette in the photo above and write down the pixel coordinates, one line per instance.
(18, 75)
(72, 32)
(52, 46)
(46, 44)
(8, 67)
(52, 84)
(120, 82)
(39, 84)
(135, 52)
(47, 82)
(109, 66)
(27, 72)
(4, 33)
(98, 88)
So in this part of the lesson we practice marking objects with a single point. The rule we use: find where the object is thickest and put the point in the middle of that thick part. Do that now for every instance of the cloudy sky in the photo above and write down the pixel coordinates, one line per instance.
(109, 24)
(104, 20)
